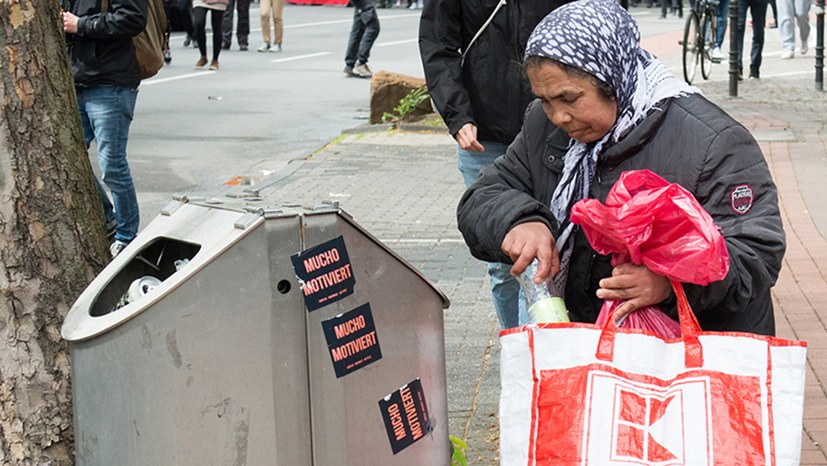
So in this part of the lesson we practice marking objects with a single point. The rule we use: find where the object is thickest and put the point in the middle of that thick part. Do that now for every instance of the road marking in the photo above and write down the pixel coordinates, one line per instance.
(300, 57)
(307, 25)
(150, 82)
(397, 42)
(338, 21)
(320, 23)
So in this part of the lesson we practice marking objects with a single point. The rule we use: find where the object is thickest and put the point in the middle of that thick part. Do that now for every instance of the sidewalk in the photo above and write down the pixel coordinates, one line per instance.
(787, 117)
(404, 187)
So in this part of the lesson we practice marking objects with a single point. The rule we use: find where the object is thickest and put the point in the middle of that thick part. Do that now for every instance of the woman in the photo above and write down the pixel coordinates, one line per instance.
(606, 106)
(276, 7)
(199, 13)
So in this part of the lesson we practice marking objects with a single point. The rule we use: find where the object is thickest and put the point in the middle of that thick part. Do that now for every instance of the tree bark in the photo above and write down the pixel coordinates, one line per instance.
(52, 239)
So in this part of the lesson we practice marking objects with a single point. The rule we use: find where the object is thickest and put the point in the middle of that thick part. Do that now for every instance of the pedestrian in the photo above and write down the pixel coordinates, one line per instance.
(274, 9)
(774, 23)
(106, 77)
(758, 12)
(185, 13)
(471, 55)
(168, 8)
(722, 13)
(790, 14)
(199, 11)
(673, 6)
(363, 34)
(610, 108)
(242, 26)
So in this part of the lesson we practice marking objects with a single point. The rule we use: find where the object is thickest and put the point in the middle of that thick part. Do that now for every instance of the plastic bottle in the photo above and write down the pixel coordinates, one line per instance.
(544, 304)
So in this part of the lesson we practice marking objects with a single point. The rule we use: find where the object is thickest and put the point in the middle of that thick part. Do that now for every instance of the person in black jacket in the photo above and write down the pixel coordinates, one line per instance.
(471, 52)
(106, 79)
(605, 106)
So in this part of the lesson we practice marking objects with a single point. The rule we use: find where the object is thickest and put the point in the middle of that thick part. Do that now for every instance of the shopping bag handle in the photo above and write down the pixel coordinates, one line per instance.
(693, 353)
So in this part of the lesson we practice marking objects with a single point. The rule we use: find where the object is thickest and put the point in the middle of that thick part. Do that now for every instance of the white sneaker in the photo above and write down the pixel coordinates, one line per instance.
(276, 48)
(362, 71)
(804, 48)
(716, 53)
(116, 248)
(787, 54)
(265, 47)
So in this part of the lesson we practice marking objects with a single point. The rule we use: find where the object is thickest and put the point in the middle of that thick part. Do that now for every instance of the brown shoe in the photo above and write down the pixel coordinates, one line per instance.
(214, 65)
(201, 63)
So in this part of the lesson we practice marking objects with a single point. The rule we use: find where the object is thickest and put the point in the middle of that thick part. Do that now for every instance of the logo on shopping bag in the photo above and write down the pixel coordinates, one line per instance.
(631, 422)
(325, 273)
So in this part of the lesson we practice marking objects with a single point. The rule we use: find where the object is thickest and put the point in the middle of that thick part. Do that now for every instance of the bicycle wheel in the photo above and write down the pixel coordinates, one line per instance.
(691, 47)
(708, 35)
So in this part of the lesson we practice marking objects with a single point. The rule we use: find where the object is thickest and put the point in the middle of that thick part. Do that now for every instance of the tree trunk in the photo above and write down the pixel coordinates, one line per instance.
(52, 239)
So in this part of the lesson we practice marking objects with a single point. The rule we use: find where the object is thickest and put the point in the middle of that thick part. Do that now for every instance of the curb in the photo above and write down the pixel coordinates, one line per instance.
(400, 126)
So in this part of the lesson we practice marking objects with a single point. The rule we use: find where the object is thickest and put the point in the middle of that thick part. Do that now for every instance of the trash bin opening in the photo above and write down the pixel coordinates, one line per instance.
(153, 264)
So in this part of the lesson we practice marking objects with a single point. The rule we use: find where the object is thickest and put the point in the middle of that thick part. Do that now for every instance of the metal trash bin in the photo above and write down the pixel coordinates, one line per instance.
(230, 358)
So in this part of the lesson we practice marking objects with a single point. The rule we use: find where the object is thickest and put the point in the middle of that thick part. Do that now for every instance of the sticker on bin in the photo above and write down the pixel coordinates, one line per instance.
(406, 415)
(352, 340)
(324, 273)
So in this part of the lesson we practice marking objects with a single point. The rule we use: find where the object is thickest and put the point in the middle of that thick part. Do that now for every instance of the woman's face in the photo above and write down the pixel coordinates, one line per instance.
(574, 104)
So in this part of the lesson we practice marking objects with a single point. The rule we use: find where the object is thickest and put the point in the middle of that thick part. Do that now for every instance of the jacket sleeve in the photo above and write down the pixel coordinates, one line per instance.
(440, 41)
(125, 19)
(502, 198)
(738, 191)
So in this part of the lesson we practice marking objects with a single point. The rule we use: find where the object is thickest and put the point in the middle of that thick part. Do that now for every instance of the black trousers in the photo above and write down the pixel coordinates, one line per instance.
(243, 29)
(200, 16)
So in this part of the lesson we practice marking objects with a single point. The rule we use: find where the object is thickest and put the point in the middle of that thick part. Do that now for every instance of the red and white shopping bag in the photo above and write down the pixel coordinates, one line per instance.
(578, 394)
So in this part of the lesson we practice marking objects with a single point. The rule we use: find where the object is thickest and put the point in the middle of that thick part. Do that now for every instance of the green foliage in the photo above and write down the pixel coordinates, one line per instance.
(460, 447)
(407, 105)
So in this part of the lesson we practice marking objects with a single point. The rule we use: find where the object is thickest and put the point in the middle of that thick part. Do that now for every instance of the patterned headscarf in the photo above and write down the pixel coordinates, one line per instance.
(602, 39)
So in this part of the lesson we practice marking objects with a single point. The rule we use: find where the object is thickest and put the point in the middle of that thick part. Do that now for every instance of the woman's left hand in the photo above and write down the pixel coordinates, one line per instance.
(636, 285)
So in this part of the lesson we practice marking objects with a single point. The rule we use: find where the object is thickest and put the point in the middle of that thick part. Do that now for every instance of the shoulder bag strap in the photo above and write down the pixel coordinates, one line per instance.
(485, 25)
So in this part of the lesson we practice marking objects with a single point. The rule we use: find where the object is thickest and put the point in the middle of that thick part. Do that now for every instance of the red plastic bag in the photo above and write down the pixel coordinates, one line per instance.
(649, 221)
(647, 318)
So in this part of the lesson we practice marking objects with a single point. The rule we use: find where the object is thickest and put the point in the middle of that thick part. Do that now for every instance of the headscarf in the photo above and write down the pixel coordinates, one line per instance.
(602, 39)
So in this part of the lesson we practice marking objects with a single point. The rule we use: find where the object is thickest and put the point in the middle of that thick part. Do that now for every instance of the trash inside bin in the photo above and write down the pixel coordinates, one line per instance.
(229, 335)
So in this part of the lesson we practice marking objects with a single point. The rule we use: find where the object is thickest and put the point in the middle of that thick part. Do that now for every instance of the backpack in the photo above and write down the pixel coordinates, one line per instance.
(150, 43)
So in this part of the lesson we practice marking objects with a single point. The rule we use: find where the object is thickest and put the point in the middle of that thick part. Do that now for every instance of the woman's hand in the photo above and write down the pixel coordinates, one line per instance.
(636, 285)
(528, 240)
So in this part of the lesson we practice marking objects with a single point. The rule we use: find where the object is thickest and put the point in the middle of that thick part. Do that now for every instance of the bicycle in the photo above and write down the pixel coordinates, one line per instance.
(699, 39)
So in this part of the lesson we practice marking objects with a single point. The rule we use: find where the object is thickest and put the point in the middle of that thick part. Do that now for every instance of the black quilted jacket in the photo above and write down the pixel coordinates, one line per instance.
(689, 141)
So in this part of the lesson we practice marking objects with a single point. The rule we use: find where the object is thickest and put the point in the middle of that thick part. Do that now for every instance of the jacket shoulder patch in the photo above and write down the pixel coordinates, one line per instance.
(740, 198)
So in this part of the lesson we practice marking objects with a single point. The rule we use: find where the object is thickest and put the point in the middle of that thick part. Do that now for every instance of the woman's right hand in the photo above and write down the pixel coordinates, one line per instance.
(528, 240)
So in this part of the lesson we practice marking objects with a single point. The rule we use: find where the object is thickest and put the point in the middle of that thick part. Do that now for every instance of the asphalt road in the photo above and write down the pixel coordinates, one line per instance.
(194, 131)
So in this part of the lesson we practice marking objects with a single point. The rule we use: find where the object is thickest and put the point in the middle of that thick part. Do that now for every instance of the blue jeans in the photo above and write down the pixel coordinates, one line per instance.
(723, 15)
(106, 112)
(508, 297)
